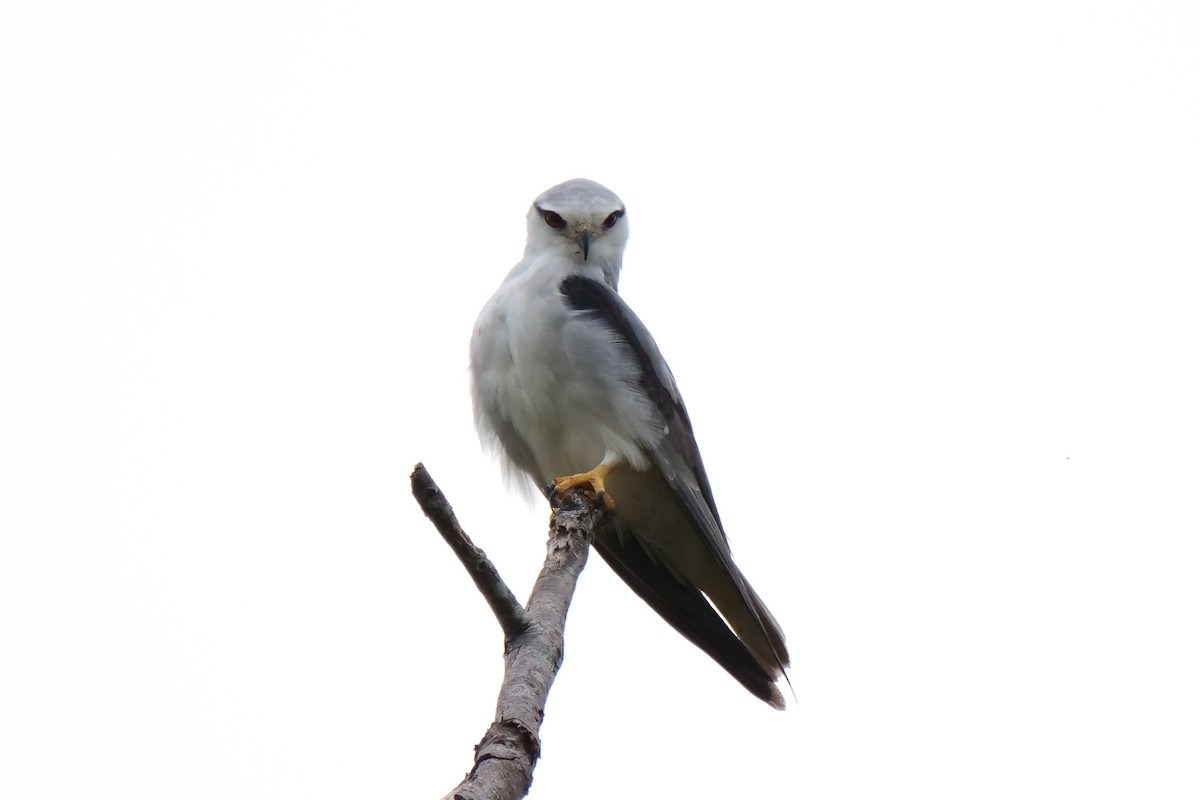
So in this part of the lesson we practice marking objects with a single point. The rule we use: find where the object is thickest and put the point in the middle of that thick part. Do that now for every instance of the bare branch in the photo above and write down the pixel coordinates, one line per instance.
(505, 757)
(510, 614)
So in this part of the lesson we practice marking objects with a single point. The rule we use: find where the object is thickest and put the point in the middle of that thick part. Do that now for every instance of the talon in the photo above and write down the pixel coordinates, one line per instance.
(592, 481)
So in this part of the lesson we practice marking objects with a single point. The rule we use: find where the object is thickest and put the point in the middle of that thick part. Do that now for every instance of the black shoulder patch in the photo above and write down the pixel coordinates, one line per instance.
(585, 294)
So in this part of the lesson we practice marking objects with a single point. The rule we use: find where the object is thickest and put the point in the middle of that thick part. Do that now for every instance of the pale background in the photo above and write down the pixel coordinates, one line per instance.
(926, 273)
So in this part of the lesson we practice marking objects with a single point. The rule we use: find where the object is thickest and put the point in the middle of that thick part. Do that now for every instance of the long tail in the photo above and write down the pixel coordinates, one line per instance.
(685, 608)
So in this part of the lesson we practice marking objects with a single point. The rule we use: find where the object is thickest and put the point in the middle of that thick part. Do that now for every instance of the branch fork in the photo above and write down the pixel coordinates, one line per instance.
(533, 635)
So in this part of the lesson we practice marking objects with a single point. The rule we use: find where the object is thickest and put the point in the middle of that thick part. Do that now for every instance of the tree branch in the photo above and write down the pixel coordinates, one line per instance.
(509, 613)
(533, 638)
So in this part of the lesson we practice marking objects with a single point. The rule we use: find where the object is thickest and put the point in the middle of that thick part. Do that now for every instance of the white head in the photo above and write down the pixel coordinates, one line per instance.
(582, 222)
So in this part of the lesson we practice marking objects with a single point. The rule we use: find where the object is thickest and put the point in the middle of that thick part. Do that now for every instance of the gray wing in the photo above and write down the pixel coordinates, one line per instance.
(584, 294)
(677, 457)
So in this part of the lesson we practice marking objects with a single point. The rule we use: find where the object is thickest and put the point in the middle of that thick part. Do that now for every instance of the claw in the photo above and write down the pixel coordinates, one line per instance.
(593, 481)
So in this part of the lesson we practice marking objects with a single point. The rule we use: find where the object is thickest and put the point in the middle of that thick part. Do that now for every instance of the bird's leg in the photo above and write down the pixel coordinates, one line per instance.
(592, 479)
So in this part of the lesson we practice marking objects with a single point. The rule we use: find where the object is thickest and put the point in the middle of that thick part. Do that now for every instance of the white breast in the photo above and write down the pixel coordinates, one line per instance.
(552, 387)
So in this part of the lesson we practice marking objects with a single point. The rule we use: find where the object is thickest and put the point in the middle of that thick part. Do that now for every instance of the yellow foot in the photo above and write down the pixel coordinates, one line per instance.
(593, 480)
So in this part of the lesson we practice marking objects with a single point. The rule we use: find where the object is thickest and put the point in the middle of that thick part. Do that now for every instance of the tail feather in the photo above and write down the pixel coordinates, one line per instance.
(687, 610)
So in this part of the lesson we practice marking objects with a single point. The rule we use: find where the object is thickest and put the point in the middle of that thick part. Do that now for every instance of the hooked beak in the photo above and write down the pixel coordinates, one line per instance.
(584, 238)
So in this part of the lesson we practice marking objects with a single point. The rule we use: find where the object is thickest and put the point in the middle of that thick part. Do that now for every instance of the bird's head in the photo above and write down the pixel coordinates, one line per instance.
(581, 221)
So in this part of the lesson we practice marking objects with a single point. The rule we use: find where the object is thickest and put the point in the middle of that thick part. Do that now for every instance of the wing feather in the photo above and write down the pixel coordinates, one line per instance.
(677, 457)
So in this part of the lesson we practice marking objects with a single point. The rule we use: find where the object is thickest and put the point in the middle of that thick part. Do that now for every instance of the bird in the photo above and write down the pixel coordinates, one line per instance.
(570, 390)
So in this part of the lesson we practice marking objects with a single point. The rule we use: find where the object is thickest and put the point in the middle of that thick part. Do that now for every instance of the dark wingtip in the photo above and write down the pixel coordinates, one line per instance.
(686, 610)
(763, 687)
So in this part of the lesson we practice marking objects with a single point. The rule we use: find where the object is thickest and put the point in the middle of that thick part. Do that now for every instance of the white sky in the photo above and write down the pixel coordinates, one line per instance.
(926, 273)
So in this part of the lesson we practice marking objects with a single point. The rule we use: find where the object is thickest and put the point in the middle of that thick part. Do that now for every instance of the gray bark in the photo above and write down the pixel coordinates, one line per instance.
(533, 637)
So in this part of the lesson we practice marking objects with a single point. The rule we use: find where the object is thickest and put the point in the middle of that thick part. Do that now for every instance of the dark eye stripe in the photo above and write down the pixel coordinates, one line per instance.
(612, 218)
(552, 219)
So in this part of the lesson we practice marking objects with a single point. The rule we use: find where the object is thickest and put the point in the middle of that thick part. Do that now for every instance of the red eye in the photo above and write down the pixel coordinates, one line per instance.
(552, 219)
(612, 218)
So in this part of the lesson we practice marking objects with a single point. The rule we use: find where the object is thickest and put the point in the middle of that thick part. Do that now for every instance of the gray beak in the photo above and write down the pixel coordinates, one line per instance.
(585, 241)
